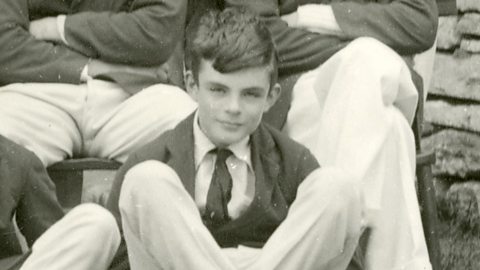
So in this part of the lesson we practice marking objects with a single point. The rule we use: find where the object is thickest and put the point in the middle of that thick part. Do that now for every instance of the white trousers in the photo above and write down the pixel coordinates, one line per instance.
(84, 239)
(95, 119)
(163, 228)
(353, 112)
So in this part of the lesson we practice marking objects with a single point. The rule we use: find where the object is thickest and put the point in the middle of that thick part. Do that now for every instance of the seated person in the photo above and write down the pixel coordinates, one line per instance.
(27, 193)
(223, 190)
(353, 99)
(81, 74)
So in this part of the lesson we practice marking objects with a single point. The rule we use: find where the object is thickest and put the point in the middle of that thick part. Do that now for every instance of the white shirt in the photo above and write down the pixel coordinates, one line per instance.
(239, 165)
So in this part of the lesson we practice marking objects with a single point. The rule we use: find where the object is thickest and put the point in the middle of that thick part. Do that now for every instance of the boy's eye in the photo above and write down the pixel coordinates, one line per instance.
(217, 90)
(252, 94)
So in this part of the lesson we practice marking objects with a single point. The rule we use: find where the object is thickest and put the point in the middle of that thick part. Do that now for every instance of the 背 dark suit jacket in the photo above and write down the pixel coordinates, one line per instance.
(133, 32)
(27, 191)
(279, 164)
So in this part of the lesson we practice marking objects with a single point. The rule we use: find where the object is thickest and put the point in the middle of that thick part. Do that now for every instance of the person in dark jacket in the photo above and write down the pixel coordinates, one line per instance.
(81, 74)
(350, 84)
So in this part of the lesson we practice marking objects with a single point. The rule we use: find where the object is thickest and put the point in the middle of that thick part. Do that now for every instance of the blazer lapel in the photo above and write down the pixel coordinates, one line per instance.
(182, 159)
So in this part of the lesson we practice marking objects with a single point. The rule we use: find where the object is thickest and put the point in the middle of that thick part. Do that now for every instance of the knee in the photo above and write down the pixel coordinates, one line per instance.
(149, 178)
(94, 216)
(371, 51)
(96, 223)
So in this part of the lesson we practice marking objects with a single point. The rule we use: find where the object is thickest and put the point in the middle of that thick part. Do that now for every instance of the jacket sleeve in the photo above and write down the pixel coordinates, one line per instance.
(146, 34)
(407, 26)
(25, 59)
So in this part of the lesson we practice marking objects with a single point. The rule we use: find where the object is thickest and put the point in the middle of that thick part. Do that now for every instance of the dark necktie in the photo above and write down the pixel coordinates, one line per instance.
(220, 191)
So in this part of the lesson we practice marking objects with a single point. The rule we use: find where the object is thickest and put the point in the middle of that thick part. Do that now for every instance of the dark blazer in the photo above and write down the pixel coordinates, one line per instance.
(279, 164)
(25, 189)
(134, 32)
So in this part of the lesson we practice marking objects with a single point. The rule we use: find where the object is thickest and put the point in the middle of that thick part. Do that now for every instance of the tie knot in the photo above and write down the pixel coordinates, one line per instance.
(222, 154)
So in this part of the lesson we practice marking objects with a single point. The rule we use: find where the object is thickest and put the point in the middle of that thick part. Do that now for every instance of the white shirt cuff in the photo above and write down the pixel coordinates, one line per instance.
(318, 18)
(84, 77)
(61, 27)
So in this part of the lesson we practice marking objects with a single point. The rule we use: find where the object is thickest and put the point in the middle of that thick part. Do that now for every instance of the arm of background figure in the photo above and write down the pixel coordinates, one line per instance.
(146, 35)
(407, 26)
(26, 59)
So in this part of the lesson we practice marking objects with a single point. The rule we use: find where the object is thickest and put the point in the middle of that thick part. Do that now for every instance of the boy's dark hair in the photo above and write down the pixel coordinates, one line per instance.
(233, 39)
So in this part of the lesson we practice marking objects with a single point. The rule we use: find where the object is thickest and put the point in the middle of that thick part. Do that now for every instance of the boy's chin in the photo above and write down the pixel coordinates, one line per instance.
(226, 141)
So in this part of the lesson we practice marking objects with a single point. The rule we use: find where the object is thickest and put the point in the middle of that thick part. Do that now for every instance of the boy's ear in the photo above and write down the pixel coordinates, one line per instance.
(191, 84)
(273, 96)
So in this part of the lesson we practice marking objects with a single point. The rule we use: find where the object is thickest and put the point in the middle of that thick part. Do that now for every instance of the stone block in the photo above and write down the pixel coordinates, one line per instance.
(465, 117)
(469, 24)
(468, 5)
(462, 202)
(470, 45)
(457, 77)
(448, 38)
(457, 154)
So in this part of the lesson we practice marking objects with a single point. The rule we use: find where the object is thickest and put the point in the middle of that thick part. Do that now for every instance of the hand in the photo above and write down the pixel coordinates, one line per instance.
(45, 29)
(291, 19)
(97, 68)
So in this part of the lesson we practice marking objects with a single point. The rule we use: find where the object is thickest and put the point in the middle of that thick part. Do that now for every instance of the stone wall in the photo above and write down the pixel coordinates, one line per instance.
(452, 118)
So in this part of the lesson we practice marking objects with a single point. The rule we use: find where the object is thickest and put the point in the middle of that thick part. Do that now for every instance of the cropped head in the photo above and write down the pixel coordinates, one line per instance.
(231, 73)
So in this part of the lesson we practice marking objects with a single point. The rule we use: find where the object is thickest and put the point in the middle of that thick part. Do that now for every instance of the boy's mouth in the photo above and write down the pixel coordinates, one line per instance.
(229, 124)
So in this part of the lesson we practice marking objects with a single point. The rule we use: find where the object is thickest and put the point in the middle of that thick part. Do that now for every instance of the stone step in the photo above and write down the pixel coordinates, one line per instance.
(457, 77)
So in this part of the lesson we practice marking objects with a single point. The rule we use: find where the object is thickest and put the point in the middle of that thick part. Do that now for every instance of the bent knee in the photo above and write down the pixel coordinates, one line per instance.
(371, 51)
(151, 177)
(95, 216)
(148, 173)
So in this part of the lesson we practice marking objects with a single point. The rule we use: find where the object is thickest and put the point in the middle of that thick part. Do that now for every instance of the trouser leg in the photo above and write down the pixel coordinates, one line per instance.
(322, 227)
(40, 117)
(365, 99)
(85, 239)
(161, 223)
(118, 123)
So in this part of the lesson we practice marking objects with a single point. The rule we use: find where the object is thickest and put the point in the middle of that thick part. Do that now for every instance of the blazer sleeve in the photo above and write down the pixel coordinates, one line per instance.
(146, 34)
(26, 59)
(407, 26)
(298, 50)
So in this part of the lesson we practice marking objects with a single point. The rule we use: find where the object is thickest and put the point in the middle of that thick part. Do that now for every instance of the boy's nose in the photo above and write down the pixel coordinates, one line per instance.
(233, 105)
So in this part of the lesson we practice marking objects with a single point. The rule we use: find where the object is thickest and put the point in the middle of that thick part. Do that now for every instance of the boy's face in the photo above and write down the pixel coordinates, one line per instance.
(230, 105)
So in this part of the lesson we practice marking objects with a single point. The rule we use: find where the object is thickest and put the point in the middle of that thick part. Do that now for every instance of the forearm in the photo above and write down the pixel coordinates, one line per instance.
(146, 35)
(26, 59)
(407, 26)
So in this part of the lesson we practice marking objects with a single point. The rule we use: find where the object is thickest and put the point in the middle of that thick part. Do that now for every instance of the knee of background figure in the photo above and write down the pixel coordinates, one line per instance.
(149, 178)
(371, 53)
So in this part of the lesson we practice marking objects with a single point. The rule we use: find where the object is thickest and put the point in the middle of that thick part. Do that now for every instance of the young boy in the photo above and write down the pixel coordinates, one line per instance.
(223, 190)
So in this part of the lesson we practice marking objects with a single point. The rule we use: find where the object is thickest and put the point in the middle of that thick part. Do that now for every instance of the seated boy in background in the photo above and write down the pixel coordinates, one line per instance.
(223, 190)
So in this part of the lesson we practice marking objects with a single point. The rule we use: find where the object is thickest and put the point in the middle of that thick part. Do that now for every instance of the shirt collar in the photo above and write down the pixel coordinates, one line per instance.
(203, 145)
